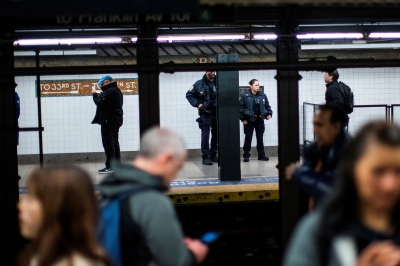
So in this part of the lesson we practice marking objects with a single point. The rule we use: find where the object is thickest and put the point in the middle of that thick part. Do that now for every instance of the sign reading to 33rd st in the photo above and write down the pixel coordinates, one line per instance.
(83, 87)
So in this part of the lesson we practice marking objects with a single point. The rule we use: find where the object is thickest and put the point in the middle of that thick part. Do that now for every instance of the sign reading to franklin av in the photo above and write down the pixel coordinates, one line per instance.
(83, 87)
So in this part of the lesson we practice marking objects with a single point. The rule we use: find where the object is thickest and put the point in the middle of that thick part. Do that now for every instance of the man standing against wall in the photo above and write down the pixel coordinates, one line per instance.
(334, 94)
(203, 96)
(109, 115)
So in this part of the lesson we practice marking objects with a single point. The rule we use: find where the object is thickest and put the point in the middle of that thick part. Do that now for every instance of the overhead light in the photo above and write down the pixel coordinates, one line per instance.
(350, 46)
(24, 53)
(68, 41)
(384, 35)
(330, 36)
(265, 36)
(200, 38)
(80, 52)
(196, 38)
(59, 52)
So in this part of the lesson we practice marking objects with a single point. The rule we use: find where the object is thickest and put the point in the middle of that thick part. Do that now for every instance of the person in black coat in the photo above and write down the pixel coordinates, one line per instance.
(253, 109)
(109, 115)
(333, 94)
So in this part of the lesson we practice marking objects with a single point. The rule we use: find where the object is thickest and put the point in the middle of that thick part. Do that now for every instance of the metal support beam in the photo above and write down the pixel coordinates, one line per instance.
(149, 88)
(228, 126)
(39, 108)
(171, 67)
(288, 123)
(9, 233)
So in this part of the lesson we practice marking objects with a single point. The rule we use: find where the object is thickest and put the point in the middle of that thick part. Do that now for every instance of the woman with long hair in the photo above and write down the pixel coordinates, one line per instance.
(359, 224)
(59, 216)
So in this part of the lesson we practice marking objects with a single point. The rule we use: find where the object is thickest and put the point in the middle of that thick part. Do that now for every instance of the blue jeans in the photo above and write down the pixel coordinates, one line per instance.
(208, 122)
(248, 131)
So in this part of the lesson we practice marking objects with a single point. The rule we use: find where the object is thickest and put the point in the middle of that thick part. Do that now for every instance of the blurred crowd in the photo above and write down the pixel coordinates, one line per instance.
(353, 212)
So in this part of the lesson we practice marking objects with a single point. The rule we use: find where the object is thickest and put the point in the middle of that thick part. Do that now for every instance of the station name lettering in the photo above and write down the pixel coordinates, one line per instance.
(127, 18)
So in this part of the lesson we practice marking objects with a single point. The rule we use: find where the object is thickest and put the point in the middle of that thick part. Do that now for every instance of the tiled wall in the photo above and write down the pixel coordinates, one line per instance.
(67, 120)
(371, 86)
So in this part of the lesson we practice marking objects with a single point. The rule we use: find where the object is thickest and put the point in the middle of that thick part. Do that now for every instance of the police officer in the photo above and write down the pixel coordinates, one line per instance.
(253, 109)
(203, 96)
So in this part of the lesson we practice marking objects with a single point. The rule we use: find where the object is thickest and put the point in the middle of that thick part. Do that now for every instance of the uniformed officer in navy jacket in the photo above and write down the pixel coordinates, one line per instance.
(203, 96)
(253, 109)
(17, 111)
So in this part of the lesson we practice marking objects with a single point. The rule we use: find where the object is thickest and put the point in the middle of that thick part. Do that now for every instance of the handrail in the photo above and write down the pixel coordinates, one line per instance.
(389, 114)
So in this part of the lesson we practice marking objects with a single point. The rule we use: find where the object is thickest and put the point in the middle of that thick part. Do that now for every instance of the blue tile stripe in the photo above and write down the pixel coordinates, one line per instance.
(206, 183)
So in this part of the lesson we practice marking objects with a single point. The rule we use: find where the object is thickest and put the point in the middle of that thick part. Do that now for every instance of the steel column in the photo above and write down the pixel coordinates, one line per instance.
(9, 233)
(228, 126)
(39, 108)
(288, 134)
(149, 88)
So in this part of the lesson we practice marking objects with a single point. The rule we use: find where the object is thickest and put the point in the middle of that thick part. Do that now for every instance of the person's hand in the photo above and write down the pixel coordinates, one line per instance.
(198, 248)
(245, 122)
(290, 170)
(269, 117)
(383, 253)
(201, 106)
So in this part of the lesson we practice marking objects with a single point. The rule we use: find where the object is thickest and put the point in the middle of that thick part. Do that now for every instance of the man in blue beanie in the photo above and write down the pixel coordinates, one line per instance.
(109, 115)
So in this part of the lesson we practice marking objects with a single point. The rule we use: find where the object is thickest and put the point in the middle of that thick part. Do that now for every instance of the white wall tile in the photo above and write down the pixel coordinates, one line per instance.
(67, 120)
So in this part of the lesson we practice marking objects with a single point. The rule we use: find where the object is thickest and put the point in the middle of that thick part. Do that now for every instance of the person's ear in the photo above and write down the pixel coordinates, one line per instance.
(165, 158)
(337, 126)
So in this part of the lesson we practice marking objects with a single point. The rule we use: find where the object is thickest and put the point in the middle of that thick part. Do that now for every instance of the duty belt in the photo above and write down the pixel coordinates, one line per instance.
(212, 111)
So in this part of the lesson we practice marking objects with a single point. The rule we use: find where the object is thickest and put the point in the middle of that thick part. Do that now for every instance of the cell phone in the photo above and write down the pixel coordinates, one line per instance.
(210, 237)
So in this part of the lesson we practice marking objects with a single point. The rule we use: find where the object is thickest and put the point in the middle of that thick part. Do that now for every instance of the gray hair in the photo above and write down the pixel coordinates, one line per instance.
(156, 141)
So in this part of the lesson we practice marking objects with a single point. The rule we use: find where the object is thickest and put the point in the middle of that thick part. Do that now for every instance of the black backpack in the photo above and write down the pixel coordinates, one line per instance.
(348, 97)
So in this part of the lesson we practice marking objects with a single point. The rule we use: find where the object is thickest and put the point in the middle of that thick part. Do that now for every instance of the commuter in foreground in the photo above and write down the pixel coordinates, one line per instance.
(359, 224)
(315, 175)
(149, 227)
(59, 217)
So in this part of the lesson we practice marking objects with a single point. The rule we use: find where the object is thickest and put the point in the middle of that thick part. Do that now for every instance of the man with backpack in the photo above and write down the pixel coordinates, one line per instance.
(338, 93)
(138, 223)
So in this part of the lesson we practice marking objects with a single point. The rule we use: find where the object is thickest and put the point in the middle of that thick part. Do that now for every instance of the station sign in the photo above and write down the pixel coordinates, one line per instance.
(51, 88)
(113, 17)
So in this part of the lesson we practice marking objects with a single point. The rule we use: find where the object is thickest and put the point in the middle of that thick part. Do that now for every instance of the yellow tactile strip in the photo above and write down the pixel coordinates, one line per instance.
(228, 193)
(225, 188)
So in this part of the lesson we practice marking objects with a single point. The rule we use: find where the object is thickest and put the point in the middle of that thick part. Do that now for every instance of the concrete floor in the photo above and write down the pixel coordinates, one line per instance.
(193, 169)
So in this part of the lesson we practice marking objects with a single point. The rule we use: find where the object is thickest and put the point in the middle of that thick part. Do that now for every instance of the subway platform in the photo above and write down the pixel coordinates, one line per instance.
(199, 184)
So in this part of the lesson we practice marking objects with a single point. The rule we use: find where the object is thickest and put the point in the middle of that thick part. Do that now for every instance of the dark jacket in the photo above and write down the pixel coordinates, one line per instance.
(334, 96)
(203, 91)
(317, 185)
(17, 113)
(150, 229)
(304, 249)
(109, 106)
(246, 106)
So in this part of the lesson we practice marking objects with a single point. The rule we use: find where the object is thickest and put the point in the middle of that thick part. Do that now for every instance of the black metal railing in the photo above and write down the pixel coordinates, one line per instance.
(361, 114)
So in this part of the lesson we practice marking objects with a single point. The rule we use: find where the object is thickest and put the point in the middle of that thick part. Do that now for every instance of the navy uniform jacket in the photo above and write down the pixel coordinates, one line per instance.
(246, 106)
(17, 107)
(205, 92)
(17, 113)
(109, 106)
